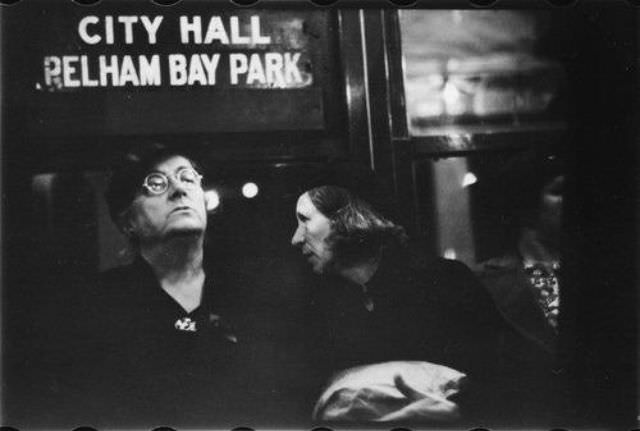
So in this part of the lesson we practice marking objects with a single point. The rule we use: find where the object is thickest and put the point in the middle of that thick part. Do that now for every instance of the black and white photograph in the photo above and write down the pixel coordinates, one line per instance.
(331, 215)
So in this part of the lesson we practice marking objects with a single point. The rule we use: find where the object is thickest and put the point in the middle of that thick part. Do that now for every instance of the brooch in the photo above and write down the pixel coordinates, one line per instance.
(186, 324)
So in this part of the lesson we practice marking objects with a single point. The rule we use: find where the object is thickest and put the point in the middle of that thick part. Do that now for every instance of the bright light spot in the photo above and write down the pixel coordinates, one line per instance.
(450, 93)
(468, 179)
(453, 100)
(457, 17)
(459, 140)
(212, 199)
(250, 190)
(449, 254)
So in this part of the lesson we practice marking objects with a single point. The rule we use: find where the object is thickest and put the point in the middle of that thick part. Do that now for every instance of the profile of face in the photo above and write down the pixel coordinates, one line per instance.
(311, 235)
(171, 203)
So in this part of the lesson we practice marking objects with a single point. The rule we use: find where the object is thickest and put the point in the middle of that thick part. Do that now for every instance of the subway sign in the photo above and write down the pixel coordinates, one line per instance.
(133, 68)
(241, 49)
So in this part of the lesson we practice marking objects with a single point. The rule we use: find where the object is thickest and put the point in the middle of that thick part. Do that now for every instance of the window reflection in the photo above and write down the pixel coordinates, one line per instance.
(477, 67)
(489, 205)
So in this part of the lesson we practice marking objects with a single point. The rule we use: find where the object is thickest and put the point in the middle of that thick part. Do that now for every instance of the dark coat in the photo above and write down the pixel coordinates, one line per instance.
(134, 367)
(508, 285)
(535, 381)
(428, 310)
(141, 370)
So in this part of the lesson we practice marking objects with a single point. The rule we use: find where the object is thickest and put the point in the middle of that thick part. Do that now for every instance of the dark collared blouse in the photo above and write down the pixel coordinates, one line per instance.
(149, 362)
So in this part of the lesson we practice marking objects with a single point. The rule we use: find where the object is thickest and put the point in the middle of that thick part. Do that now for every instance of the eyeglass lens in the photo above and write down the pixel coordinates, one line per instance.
(158, 182)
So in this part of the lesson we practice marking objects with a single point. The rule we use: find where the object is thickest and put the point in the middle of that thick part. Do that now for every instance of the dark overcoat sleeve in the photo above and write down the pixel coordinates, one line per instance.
(474, 333)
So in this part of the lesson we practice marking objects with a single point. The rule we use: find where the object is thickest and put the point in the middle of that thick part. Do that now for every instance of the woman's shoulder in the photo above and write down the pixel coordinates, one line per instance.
(449, 282)
(440, 271)
(113, 288)
(497, 265)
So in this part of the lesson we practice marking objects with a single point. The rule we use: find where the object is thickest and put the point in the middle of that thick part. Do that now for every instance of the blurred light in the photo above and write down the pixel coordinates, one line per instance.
(213, 199)
(468, 179)
(250, 190)
(453, 101)
(449, 254)
(459, 140)
(457, 17)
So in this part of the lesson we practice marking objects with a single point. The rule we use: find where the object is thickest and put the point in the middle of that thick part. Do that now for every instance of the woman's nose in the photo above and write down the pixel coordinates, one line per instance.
(297, 237)
(176, 188)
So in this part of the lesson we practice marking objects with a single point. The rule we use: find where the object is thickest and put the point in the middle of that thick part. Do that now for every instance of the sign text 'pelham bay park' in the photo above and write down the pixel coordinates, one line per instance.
(204, 51)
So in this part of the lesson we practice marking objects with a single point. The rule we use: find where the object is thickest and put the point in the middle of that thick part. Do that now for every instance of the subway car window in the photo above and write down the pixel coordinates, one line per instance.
(471, 68)
(481, 202)
(487, 73)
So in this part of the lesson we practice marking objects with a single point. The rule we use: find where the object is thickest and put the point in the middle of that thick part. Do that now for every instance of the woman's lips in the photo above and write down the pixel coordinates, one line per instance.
(182, 208)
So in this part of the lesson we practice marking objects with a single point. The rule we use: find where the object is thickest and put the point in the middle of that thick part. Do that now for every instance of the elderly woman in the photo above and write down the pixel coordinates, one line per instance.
(157, 349)
(383, 303)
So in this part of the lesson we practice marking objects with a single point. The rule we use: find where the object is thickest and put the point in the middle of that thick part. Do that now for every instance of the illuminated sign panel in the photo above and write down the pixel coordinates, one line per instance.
(134, 68)
(246, 50)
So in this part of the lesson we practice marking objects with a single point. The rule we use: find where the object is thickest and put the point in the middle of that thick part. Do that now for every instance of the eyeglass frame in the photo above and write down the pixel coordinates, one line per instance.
(175, 177)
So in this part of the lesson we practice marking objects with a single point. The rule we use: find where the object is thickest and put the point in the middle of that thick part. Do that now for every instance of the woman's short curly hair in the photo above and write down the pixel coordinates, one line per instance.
(359, 232)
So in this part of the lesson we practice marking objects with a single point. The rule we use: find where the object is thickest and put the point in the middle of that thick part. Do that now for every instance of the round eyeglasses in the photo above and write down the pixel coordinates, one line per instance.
(156, 183)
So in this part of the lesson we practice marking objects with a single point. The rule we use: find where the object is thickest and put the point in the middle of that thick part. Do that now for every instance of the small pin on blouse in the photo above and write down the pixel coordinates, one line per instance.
(186, 324)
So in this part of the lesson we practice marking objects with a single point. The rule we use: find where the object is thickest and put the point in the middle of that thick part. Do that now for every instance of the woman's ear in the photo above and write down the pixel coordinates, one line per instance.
(125, 225)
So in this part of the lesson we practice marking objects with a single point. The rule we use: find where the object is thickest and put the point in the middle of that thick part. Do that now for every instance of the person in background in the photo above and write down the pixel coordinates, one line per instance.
(404, 331)
(524, 281)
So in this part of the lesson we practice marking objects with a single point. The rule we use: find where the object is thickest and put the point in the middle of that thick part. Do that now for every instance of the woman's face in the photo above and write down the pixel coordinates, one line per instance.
(179, 210)
(311, 235)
